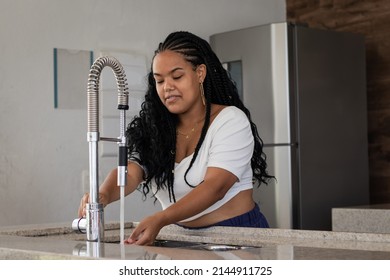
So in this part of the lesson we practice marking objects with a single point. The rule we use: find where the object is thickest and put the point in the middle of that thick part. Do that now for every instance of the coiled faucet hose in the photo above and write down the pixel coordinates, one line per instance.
(93, 89)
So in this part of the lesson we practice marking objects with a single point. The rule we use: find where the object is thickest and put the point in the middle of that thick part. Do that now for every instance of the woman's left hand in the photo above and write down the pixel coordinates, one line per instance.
(146, 232)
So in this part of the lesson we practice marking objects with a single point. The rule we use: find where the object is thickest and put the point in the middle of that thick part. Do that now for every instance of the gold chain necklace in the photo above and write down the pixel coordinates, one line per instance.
(187, 136)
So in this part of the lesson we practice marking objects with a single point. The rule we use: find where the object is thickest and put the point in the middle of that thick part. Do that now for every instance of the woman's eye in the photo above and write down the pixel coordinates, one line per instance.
(177, 77)
(159, 82)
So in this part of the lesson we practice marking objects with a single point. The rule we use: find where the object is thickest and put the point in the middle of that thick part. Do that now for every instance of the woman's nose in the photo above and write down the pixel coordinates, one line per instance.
(168, 87)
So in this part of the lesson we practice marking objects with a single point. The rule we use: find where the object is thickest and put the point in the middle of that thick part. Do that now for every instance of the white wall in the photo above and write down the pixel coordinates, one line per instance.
(43, 151)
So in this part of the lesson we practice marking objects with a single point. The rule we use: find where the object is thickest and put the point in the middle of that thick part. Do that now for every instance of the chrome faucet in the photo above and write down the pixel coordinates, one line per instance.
(93, 224)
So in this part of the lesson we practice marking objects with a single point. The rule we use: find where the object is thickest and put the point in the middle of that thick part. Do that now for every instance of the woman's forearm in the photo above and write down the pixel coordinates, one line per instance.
(217, 182)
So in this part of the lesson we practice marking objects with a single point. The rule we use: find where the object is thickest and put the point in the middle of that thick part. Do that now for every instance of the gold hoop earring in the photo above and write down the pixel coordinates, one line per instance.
(202, 93)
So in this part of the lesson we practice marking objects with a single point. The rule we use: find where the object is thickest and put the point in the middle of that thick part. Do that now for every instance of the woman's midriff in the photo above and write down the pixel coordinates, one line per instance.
(240, 204)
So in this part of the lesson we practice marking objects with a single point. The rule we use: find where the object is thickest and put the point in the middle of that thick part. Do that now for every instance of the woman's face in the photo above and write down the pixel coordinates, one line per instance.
(177, 83)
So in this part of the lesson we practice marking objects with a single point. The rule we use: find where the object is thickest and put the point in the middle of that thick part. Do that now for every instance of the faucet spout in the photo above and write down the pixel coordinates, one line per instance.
(94, 209)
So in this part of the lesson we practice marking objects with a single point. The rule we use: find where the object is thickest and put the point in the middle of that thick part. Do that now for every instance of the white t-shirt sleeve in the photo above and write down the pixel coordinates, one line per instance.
(233, 143)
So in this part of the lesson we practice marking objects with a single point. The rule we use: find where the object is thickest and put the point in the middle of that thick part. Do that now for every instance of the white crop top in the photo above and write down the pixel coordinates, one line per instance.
(228, 145)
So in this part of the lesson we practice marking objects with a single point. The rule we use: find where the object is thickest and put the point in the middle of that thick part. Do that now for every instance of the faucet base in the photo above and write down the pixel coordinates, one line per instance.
(95, 222)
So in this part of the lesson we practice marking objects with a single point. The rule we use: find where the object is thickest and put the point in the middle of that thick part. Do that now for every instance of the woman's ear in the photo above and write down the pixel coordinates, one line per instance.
(201, 71)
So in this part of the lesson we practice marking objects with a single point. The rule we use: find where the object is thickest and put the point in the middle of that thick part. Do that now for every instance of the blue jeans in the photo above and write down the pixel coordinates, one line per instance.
(253, 218)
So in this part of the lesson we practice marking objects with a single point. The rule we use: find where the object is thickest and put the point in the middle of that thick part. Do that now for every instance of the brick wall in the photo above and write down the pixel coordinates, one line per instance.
(372, 19)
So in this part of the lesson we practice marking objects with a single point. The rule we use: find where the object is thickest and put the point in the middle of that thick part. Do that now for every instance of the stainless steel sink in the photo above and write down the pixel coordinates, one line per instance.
(199, 245)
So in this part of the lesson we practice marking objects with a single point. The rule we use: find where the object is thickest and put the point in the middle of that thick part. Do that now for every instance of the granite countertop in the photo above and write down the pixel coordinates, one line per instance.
(58, 241)
(373, 218)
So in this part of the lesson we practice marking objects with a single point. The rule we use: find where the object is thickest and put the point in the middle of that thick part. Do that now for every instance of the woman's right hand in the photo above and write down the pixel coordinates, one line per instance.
(109, 190)
(85, 199)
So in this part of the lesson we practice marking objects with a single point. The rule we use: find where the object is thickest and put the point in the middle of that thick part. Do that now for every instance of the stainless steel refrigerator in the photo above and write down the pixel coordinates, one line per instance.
(306, 90)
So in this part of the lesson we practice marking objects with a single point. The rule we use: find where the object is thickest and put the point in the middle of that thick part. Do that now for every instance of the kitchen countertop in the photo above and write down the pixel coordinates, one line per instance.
(373, 218)
(58, 241)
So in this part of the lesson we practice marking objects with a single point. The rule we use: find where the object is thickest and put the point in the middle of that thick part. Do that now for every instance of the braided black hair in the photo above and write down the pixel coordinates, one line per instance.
(152, 135)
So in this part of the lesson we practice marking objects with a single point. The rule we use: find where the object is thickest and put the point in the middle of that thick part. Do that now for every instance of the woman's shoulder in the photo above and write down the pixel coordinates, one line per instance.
(230, 118)
(228, 112)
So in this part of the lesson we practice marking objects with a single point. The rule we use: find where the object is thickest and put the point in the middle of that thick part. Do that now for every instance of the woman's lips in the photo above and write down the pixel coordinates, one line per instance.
(172, 98)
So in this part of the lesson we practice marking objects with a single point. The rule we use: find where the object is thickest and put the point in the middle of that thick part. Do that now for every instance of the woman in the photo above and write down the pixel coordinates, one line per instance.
(193, 145)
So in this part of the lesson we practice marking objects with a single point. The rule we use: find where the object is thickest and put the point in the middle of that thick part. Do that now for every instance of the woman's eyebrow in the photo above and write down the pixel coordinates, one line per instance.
(170, 72)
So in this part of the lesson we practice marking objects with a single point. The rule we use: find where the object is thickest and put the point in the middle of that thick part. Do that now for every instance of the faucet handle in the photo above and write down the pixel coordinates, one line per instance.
(123, 99)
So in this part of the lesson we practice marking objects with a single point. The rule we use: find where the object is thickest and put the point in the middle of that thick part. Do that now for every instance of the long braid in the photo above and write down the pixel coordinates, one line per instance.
(201, 139)
(172, 153)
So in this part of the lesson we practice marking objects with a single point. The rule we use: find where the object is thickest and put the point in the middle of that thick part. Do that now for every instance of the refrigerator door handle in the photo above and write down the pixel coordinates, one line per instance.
(281, 144)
